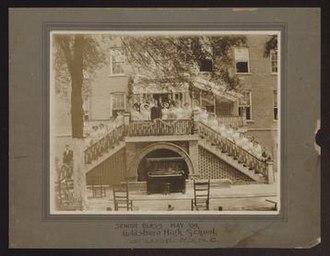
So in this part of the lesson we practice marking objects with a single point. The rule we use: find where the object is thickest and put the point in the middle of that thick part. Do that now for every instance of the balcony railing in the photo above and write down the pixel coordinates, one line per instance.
(103, 145)
(234, 121)
(235, 151)
(160, 127)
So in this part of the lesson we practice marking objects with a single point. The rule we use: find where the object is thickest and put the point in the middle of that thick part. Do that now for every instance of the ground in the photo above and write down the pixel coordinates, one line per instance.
(250, 197)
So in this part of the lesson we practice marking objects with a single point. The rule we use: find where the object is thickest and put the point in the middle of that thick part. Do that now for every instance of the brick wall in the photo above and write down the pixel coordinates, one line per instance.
(103, 85)
(261, 82)
(110, 171)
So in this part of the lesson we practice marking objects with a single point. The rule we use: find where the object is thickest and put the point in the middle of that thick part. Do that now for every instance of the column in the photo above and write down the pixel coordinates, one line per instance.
(270, 172)
(193, 154)
(235, 108)
(195, 120)
(131, 166)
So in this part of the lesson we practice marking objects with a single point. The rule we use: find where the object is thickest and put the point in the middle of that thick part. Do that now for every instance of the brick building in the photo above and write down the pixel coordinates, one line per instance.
(253, 109)
(259, 84)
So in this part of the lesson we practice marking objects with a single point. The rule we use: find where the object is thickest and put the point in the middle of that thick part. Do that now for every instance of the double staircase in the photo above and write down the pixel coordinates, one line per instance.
(209, 139)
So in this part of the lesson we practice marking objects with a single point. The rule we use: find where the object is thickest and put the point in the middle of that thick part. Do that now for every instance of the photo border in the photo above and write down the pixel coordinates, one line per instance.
(249, 28)
(17, 240)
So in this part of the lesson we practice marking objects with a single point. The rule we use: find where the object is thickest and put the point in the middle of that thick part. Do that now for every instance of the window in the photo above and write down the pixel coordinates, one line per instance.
(242, 60)
(207, 101)
(117, 61)
(178, 96)
(275, 105)
(118, 103)
(86, 106)
(206, 65)
(245, 107)
(273, 61)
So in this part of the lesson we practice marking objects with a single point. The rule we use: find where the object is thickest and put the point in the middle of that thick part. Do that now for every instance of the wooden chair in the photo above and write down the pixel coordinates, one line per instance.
(121, 197)
(97, 187)
(201, 195)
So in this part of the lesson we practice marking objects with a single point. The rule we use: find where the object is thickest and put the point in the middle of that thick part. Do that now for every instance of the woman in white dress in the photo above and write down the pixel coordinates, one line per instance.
(186, 111)
(178, 110)
(204, 116)
(135, 113)
(213, 122)
(145, 113)
(171, 113)
(165, 111)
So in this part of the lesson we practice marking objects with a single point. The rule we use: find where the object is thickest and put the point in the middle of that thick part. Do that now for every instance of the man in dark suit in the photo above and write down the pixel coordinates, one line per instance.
(67, 156)
(67, 162)
(156, 111)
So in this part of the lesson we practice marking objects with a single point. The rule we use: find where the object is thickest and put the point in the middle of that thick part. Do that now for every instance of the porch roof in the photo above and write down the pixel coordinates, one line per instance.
(142, 84)
(217, 89)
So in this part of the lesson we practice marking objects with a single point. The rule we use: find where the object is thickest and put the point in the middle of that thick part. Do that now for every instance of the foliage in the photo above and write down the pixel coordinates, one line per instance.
(93, 59)
(177, 59)
(270, 45)
(76, 58)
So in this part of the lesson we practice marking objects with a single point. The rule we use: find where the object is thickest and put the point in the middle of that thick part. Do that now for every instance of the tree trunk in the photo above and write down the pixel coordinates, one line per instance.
(77, 113)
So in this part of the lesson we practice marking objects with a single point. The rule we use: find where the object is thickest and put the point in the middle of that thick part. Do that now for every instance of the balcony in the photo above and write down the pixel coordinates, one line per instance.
(160, 127)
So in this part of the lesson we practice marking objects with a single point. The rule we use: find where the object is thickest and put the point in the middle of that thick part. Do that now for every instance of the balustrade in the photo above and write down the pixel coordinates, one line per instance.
(160, 127)
(97, 149)
(234, 121)
(235, 151)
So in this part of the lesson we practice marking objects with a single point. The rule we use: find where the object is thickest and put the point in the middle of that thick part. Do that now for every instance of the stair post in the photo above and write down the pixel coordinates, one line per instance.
(195, 120)
(270, 172)
(126, 122)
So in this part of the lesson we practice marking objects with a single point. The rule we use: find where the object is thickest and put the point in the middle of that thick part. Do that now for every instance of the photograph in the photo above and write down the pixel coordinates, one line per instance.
(164, 122)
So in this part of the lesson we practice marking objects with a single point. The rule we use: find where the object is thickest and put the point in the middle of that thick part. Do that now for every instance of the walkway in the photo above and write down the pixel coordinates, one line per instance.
(251, 197)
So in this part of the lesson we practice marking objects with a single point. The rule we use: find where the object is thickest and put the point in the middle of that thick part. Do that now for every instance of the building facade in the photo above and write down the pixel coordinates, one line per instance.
(133, 148)
(258, 75)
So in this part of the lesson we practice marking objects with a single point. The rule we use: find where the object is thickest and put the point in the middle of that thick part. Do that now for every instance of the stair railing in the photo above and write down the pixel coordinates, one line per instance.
(160, 127)
(104, 144)
(235, 151)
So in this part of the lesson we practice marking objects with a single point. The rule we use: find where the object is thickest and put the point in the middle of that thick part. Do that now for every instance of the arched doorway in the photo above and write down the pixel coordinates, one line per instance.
(159, 160)
(162, 156)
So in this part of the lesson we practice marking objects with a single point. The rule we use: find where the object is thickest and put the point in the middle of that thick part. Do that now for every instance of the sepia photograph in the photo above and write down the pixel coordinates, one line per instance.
(164, 122)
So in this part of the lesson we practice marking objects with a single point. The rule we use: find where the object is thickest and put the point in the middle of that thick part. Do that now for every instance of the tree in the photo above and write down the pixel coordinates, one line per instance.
(178, 59)
(76, 58)
(270, 45)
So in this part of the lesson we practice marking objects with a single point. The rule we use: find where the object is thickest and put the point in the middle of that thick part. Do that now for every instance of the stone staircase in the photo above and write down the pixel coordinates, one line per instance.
(104, 148)
(252, 167)
(210, 140)
(230, 160)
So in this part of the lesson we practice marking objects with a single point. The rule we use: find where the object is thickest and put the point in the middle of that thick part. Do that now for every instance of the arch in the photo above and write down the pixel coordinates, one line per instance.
(163, 145)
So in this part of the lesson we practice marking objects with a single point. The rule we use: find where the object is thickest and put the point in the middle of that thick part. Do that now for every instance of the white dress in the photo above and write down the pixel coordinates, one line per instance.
(165, 112)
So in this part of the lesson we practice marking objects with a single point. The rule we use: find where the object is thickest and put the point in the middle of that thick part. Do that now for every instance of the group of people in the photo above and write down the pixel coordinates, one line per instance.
(95, 132)
(232, 134)
(159, 109)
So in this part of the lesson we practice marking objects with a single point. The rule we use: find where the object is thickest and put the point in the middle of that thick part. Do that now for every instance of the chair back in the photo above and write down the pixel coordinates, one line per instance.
(201, 195)
(121, 197)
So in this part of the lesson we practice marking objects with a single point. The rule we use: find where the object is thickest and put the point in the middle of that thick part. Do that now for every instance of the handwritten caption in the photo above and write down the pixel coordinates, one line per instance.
(175, 232)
